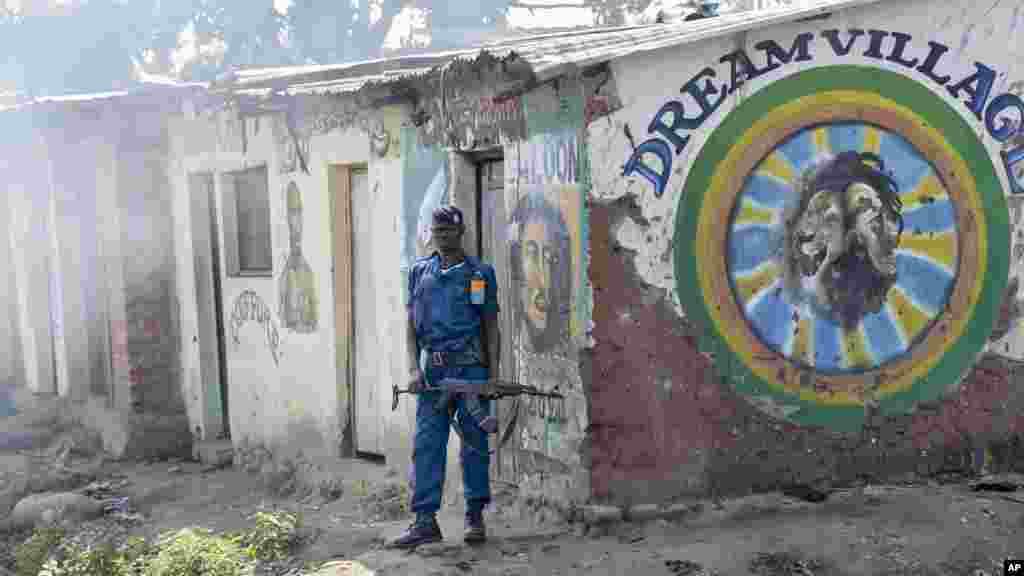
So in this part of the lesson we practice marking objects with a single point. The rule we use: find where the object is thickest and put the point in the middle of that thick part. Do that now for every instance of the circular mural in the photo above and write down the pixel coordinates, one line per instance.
(838, 263)
(844, 235)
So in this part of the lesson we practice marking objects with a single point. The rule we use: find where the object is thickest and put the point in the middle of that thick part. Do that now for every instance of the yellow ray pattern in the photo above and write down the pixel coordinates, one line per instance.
(872, 139)
(940, 248)
(855, 349)
(803, 344)
(821, 143)
(751, 213)
(756, 281)
(909, 318)
(930, 189)
(778, 166)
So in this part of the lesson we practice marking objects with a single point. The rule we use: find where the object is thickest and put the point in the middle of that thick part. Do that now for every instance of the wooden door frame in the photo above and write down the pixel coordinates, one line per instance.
(343, 270)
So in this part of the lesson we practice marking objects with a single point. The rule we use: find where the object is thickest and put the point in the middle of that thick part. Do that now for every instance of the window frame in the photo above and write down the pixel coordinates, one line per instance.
(230, 197)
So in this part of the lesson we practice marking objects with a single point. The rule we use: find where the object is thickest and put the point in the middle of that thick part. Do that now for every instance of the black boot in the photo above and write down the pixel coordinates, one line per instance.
(423, 531)
(476, 532)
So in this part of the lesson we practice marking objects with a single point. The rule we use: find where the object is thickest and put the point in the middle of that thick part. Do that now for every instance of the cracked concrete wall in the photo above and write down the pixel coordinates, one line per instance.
(702, 383)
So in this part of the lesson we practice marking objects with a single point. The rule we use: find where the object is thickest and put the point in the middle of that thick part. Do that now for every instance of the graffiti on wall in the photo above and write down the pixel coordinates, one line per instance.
(299, 305)
(291, 143)
(602, 94)
(424, 187)
(470, 120)
(249, 307)
(385, 131)
(842, 234)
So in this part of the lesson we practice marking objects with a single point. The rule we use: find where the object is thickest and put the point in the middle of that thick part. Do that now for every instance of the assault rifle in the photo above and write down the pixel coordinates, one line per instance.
(472, 391)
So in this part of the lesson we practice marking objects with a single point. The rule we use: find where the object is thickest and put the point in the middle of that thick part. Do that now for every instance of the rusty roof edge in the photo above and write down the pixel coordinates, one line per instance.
(689, 34)
(383, 72)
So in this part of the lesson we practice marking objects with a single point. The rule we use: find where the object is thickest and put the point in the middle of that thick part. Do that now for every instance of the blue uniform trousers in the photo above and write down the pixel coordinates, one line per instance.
(430, 445)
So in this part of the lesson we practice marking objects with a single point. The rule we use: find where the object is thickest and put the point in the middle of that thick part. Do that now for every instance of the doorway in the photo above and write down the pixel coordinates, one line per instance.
(492, 247)
(209, 337)
(361, 378)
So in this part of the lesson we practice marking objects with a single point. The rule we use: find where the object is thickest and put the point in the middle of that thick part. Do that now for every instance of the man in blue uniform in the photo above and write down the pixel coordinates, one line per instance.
(452, 333)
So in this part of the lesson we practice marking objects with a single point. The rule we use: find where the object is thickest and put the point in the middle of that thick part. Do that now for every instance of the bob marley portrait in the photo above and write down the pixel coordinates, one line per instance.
(841, 237)
(540, 262)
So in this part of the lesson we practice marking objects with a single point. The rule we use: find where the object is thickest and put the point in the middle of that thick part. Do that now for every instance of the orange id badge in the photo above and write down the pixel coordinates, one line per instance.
(477, 287)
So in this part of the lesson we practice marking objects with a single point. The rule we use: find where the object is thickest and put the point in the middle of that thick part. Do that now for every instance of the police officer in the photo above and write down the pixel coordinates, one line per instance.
(452, 333)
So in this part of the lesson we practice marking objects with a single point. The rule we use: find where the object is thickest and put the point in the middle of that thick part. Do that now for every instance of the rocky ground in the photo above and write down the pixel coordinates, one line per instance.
(955, 528)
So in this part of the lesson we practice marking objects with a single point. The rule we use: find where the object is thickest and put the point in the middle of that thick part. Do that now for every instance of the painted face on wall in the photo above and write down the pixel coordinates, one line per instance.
(539, 257)
(843, 242)
(835, 223)
(541, 271)
(874, 228)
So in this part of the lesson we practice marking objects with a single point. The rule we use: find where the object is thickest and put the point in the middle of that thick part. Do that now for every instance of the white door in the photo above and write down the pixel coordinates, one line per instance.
(208, 339)
(367, 383)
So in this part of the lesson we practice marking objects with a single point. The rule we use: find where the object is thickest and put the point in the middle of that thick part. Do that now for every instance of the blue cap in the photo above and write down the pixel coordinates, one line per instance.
(449, 215)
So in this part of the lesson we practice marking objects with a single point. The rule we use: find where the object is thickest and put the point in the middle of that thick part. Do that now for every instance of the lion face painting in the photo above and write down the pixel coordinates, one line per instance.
(841, 237)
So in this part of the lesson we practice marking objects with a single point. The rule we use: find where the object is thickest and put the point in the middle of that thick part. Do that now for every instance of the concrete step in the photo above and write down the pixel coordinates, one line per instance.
(218, 453)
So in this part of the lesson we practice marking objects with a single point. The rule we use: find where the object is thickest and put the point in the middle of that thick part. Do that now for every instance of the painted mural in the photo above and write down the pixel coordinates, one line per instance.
(424, 187)
(545, 235)
(541, 264)
(298, 306)
(842, 233)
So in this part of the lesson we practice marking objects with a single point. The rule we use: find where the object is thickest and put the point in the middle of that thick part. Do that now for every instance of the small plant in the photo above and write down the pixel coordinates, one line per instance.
(130, 560)
(275, 536)
(197, 552)
(30, 555)
(361, 488)
(101, 561)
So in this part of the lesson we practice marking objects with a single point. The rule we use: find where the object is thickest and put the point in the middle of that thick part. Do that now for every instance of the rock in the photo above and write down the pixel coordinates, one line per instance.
(343, 568)
(805, 492)
(593, 515)
(439, 549)
(12, 489)
(683, 567)
(54, 507)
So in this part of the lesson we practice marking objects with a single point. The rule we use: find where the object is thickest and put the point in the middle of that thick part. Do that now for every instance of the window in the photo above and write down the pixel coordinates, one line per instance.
(247, 222)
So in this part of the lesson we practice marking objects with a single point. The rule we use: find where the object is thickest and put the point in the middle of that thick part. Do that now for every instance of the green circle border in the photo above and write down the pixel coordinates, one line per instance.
(960, 136)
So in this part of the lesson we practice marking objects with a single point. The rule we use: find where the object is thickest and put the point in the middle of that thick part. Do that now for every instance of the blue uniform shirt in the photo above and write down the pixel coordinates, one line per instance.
(439, 301)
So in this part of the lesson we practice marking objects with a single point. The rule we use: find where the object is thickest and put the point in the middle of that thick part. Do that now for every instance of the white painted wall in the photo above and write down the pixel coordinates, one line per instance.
(27, 226)
(10, 361)
(270, 402)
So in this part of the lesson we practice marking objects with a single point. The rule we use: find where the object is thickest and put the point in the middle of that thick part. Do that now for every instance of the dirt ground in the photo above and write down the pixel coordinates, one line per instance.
(926, 529)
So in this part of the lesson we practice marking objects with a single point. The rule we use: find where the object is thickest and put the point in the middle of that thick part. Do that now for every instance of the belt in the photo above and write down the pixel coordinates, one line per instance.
(442, 358)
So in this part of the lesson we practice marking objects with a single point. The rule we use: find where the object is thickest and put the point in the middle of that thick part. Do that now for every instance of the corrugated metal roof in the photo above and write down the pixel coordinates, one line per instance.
(147, 86)
(549, 55)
